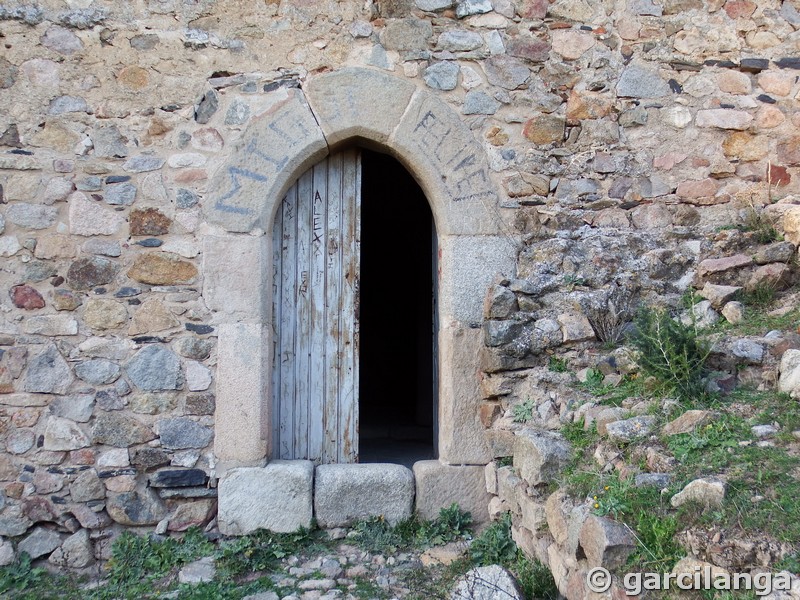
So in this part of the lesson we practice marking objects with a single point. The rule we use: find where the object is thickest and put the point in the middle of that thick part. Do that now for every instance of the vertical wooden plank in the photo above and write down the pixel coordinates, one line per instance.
(277, 239)
(348, 398)
(333, 270)
(316, 275)
(287, 257)
(357, 322)
(317, 298)
(303, 308)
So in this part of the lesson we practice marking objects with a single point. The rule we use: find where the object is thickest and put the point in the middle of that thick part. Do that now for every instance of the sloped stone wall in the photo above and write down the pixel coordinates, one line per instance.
(617, 132)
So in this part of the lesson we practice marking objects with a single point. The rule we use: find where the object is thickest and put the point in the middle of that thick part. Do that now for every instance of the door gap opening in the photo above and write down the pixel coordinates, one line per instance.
(397, 375)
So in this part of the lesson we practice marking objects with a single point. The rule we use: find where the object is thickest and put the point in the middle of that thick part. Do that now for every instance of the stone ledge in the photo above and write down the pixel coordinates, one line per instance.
(440, 485)
(278, 497)
(344, 494)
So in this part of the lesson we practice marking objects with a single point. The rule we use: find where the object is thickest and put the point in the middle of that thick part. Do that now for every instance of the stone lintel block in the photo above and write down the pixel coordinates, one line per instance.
(432, 141)
(461, 434)
(356, 102)
(236, 294)
(278, 497)
(346, 493)
(278, 146)
(242, 416)
(440, 485)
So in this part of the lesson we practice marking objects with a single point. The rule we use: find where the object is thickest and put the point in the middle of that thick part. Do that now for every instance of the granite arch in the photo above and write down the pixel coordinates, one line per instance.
(303, 125)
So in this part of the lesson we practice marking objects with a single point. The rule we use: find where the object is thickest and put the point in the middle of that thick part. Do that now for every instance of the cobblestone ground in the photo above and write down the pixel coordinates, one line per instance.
(350, 572)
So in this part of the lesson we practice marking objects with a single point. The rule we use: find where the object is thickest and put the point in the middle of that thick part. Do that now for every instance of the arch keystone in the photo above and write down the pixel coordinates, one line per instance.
(358, 103)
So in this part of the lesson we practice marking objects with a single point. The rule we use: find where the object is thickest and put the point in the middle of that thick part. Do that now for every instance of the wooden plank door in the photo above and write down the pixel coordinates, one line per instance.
(316, 250)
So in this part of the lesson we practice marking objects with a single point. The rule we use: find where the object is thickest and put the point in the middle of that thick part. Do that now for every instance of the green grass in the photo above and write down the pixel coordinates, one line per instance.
(147, 566)
(426, 583)
(557, 365)
(643, 509)
(577, 435)
(580, 476)
(720, 595)
(757, 322)
(710, 448)
(632, 386)
(790, 563)
(760, 297)
(141, 565)
(750, 470)
(368, 589)
(21, 581)
(505, 461)
(496, 546)
(263, 550)
(223, 590)
(713, 449)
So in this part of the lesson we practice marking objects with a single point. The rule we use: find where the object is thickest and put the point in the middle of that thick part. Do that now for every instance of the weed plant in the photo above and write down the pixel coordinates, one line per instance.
(523, 412)
(557, 365)
(672, 353)
(496, 546)
(377, 535)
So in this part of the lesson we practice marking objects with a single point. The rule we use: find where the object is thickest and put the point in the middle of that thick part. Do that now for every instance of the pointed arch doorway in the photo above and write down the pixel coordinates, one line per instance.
(354, 315)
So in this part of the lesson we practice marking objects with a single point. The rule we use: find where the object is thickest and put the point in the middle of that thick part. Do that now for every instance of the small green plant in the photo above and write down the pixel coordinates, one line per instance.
(20, 576)
(495, 544)
(377, 535)
(137, 559)
(762, 225)
(658, 549)
(689, 298)
(578, 436)
(523, 412)
(610, 500)
(260, 551)
(594, 383)
(789, 563)
(571, 281)
(534, 578)
(557, 365)
(761, 296)
(451, 524)
(505, 461)
(672, 353)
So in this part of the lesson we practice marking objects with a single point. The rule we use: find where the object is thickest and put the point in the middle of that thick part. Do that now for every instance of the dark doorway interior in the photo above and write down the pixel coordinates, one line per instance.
(396, 364)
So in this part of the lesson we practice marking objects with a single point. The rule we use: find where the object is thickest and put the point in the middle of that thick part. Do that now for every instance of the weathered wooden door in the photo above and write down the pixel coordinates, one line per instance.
(315, 314)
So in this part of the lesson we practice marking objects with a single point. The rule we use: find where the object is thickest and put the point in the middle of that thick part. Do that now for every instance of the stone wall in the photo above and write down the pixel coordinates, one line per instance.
(618, 132)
